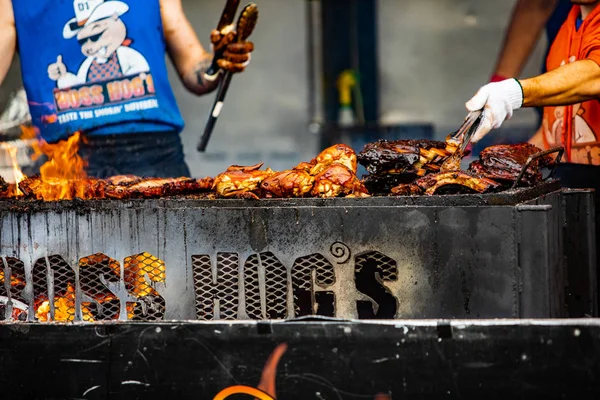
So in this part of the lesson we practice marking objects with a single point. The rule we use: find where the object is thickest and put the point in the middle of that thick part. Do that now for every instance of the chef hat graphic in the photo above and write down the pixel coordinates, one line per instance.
(88, 11)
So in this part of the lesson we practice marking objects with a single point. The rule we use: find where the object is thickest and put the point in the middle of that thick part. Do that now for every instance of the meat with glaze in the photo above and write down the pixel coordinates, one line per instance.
(505, 163)
(339, 154)
(285, 184)
(430, 184)
(241, 181)
(338, 180)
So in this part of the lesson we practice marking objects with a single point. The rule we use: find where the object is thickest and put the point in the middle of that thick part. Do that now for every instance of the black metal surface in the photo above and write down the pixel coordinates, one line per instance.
(580, 254)
(321, 360)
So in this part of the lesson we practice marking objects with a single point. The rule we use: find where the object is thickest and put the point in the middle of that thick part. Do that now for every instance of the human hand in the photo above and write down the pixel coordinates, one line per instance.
(57, 70)
(499, 100)
(236, 55)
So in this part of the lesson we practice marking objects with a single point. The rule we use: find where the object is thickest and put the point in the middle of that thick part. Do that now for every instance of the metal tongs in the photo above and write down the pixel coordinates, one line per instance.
(245, 27)
(463, 136)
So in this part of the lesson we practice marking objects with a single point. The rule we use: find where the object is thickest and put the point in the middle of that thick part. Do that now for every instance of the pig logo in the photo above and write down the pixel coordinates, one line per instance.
(102, 35)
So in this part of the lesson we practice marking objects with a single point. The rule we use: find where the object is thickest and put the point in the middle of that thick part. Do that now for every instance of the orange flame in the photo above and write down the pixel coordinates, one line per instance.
(28, 133)
(18, 175)
(64, 308)
(62, 177)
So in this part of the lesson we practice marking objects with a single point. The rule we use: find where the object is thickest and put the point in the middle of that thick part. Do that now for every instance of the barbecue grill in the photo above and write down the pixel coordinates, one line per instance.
(502, 255)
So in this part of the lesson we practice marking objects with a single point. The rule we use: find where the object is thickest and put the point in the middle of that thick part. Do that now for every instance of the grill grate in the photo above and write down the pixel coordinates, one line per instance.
(224, 290)
(53, 278)
(103, 305)
(276, 285)
(305, 297)
(11, 289)
(142, 272)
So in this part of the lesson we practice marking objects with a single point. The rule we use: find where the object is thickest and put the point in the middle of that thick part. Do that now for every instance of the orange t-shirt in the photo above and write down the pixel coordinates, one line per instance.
(576, 127)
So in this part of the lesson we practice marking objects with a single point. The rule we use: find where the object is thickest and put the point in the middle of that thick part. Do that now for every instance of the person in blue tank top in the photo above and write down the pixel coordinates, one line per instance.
(98, 67)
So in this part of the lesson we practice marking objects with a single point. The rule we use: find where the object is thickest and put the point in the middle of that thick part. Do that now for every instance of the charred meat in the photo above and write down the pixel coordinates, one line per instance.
(382, 184)
(240, 181)
(393, 163)
(91, 188)
(430, 184)
(123, 180)
(285, 184)
(401, 156)
(505, 162)
(3, 186)
(338, 180)
(151, 188)
(407, 189)
(339, 154)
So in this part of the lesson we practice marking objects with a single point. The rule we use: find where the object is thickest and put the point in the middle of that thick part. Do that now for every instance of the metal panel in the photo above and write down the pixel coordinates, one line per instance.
(580, 253)
(377, 258)
(303, 360)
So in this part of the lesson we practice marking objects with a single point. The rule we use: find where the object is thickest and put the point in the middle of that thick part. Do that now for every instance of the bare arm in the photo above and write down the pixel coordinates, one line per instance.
(8, 37)
(570, 84)
(189, 56)
(527, 23)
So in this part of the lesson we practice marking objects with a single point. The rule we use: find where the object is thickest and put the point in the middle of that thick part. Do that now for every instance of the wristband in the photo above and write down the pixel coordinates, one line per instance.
(498, 78)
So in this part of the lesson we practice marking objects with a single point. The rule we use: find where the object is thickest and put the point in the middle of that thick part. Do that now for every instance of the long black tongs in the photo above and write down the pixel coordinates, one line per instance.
(245, 27)
(462, 138)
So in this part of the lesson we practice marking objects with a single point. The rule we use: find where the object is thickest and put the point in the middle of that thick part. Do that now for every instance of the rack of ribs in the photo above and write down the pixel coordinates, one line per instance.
(431, 184)
(505, 162)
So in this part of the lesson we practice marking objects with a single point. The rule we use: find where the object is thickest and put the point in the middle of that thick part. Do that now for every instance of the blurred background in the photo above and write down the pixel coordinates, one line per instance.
(404, 67)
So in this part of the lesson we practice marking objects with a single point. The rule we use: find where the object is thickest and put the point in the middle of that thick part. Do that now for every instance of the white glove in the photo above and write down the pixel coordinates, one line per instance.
(499, 100)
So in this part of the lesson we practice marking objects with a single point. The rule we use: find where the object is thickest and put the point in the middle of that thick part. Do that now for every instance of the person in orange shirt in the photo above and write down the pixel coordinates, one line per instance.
(569, 91)
(570, 95)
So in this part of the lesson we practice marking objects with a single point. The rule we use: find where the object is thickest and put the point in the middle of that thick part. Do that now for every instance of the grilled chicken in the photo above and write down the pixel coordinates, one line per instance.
(305, 166)
(340, 154)
(338, 180)
(430, 184)
(505, 162)
(239, 181)
(293, 183)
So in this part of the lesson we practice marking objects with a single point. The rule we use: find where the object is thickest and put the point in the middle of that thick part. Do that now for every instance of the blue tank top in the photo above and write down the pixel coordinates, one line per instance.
(95, 66)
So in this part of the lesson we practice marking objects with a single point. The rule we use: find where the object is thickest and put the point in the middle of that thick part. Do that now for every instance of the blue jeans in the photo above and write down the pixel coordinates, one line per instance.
(157, 155)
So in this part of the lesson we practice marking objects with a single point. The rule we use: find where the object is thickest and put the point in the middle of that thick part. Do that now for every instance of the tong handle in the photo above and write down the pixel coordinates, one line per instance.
(533, 157)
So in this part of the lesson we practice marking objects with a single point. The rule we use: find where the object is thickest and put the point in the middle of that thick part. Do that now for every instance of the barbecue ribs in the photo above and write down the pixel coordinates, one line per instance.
(430, 184)
(118, 187)
(400, 156)
(392, 163)
(338, 180)
(123, 180)
(156, 187)
(407, 189)
(505, 162)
